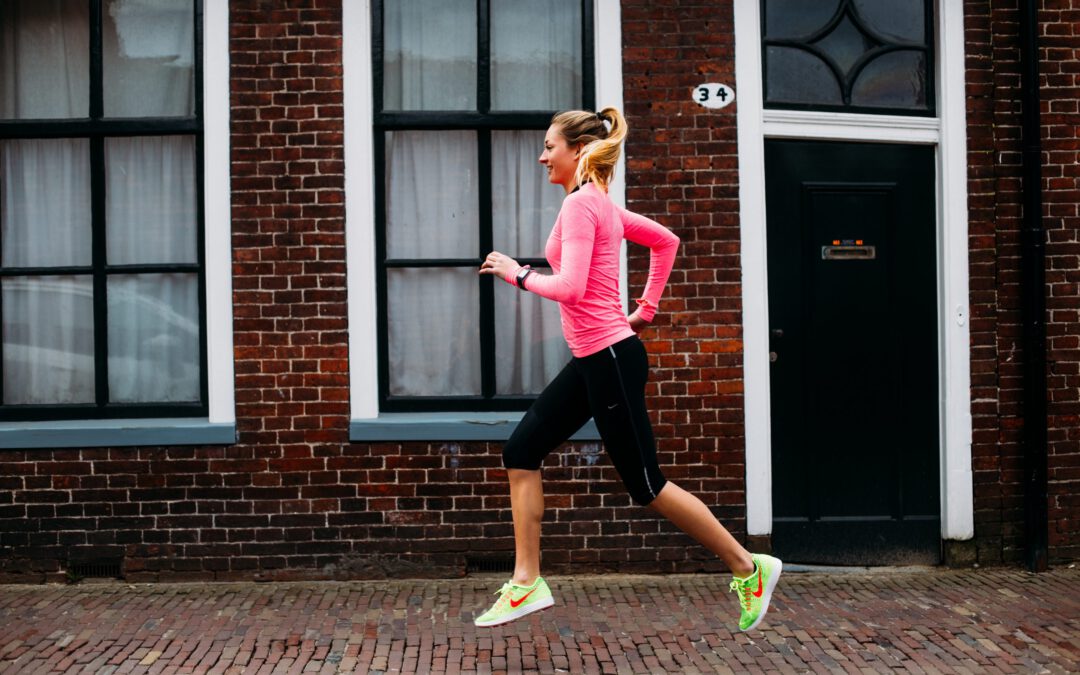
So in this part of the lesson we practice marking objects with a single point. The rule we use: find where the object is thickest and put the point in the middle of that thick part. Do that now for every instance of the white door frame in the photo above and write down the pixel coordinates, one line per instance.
(948, 134)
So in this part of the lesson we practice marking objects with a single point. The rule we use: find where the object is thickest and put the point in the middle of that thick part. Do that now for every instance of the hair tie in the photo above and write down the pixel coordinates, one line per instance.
(600, 116)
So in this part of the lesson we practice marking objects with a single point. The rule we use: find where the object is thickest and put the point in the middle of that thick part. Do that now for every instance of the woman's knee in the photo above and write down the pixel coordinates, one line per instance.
(516, 455)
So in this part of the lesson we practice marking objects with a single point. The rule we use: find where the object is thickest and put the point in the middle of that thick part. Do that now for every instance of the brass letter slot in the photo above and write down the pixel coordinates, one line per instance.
(848, 253)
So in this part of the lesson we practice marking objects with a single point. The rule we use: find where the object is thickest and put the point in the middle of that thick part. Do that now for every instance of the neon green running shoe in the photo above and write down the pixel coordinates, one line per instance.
(755, 591)
(516, 601)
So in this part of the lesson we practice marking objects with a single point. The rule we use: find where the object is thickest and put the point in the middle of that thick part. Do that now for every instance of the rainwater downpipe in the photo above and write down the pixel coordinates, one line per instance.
(1033, 297)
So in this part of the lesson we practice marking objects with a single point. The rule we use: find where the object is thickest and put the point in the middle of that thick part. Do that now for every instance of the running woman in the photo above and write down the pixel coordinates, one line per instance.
(606, 377)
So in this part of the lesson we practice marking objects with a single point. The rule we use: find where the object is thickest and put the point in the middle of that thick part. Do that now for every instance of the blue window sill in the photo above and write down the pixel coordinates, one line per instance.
(448, 427)
(115, 433)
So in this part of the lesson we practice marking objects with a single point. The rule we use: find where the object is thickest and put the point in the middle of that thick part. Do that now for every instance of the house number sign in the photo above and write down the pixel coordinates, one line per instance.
(713, 95)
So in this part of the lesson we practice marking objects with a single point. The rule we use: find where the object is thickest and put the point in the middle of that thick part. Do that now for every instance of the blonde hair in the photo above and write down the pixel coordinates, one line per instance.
(601, 145)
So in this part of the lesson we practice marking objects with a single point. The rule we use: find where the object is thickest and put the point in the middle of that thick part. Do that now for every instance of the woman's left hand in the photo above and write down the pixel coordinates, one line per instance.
(502, 266)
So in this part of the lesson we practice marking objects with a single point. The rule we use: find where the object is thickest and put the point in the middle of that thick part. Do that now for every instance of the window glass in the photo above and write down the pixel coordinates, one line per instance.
(92, 331)
(797, 76)
(431, 194)
(44, 202)
(48, 339)
(44, 57)
(535, 55)
(429, 58)
(529, 343)
(459, 136)
(150, 199)
(433, 331)
(789, 19)
(893, 79)
(899, 19)
(862, 55)
(524, 204)
(153, 338)
(149, 58)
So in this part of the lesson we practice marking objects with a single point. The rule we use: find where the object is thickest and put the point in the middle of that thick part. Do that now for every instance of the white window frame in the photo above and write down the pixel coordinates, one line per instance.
(219, 427)
(368, 423)
(948, 134)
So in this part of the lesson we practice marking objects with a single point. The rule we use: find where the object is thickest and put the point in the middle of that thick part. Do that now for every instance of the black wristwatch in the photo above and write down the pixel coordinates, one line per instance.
(521, 276)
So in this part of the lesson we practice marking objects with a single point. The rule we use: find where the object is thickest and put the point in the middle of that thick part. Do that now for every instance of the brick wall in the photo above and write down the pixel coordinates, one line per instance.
(682, 170)
(1060, 55)
(994, 147)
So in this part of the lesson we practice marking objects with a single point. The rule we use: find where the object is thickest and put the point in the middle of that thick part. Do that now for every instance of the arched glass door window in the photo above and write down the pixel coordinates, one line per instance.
(863, 56)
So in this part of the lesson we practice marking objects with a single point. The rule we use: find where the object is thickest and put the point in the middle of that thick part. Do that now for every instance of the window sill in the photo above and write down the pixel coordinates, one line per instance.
(115, 433)
(448, 427)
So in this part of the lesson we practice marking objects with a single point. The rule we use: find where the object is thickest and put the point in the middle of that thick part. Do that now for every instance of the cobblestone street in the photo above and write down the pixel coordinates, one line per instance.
(903, 620)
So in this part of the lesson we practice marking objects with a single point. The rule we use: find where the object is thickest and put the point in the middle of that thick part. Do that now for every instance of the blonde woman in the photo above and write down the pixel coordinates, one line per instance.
(606, 377)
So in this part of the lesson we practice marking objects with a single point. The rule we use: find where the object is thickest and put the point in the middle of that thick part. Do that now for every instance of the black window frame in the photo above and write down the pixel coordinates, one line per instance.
(845, 84)
(483, 121)
(96, 128)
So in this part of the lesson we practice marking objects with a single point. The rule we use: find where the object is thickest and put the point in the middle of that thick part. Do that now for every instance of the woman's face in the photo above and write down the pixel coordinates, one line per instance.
(560, 159)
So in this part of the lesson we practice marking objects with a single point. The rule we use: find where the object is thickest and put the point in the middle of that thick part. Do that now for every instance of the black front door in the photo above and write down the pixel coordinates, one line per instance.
(852, 319)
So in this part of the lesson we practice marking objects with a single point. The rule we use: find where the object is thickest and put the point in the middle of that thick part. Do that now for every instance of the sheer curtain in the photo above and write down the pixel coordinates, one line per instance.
(44, 49)
(153, 319)
(432, 191)
(535, 55)
(530, 348)
(150, 195)
(433, 312)
(429, 60)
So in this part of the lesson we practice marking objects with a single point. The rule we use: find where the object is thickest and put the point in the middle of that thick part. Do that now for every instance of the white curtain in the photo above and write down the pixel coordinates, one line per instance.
(150, 197)
(429, 55)
(535, 54)
(432, 193)
(434, 333)
(44, 52)
(153, 338)
(529, 345)
(150, 200)
(48, 334)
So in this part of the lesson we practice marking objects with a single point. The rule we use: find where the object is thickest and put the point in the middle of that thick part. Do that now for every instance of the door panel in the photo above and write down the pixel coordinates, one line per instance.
(853, 329)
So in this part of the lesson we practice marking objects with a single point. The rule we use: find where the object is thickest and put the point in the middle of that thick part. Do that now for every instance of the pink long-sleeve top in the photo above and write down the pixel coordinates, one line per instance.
(583, 251)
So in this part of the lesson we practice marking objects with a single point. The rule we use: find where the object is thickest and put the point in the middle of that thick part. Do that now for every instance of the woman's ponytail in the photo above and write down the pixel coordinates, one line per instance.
(601, 145)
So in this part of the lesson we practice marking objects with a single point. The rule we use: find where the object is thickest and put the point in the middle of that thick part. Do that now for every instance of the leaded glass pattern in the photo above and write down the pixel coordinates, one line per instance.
(849, 55)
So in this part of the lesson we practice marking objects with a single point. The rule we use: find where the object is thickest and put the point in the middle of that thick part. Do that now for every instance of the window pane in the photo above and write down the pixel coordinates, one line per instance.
(524, 203)
(44, 202)
(895, 79)
(44, 59)
(429, 55)
(434, 337)
(48, 325)
(149, 56)
(432, 194)
(896, 19)
(153, 338)
(796, 76)
(529, 346)
(535, 55)
(845, 44)
(150, 199)
(790, 19)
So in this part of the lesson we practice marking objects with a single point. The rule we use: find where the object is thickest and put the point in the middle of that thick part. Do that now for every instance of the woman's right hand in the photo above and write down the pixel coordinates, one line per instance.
(637, 323)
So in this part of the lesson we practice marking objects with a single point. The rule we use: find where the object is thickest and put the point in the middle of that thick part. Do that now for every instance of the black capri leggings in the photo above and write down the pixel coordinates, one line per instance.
(608, 386)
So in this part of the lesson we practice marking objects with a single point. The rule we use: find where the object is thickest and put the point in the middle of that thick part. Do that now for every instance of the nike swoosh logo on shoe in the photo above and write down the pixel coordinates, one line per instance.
(514, 603)
(757, 593)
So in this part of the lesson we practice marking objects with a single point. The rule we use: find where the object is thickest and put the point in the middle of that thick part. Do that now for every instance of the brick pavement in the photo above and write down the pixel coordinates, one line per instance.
(877, 621)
